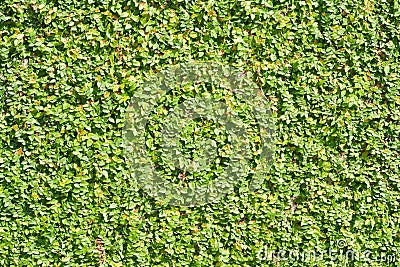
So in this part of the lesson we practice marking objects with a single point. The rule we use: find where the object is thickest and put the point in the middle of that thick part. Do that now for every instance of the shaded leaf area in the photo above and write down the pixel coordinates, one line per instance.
(69, 68)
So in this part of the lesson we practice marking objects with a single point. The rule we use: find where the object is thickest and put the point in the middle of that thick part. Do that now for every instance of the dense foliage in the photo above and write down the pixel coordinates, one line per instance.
(68, 70)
